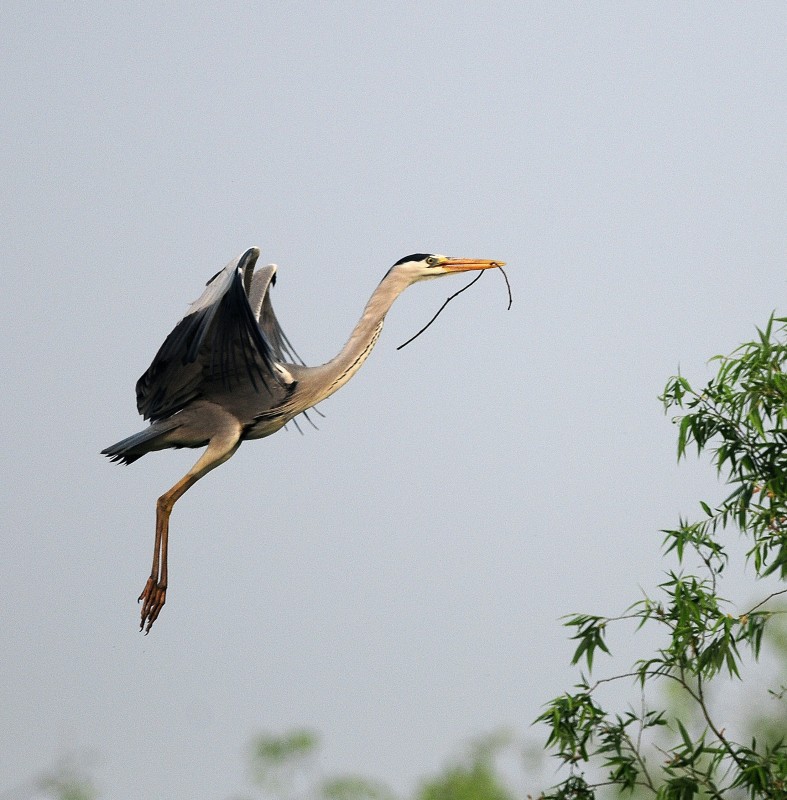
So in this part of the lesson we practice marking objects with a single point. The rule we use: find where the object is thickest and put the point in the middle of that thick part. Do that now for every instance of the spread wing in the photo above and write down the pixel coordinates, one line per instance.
(261, 307)
(218, 343)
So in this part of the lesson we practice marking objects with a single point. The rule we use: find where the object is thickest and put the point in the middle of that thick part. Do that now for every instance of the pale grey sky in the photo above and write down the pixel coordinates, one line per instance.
(395, 579)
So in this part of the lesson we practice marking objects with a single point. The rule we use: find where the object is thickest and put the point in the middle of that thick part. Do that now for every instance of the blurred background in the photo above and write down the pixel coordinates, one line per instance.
(394, 580)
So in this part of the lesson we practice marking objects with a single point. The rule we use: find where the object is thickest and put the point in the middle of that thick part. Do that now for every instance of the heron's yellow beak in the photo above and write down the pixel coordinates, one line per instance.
(468, 264)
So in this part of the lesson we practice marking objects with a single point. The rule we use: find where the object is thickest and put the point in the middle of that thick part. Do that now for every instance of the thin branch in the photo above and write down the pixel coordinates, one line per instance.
(649, 674)
(640, 760)
(719, 735)
(439, 310)
(763, 602)
(449, 299)
(637, 750)
(508, 286)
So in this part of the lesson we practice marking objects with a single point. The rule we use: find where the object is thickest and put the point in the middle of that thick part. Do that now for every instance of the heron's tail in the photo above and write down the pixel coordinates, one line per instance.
(133, 447)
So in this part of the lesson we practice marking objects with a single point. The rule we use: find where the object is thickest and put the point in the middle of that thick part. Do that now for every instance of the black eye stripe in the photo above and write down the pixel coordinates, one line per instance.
(413, 257)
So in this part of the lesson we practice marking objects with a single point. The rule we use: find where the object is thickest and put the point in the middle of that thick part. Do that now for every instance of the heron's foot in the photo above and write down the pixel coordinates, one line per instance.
(152, 598)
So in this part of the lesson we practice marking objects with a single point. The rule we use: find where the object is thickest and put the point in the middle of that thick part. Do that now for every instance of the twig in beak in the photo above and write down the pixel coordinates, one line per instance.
(449, 299)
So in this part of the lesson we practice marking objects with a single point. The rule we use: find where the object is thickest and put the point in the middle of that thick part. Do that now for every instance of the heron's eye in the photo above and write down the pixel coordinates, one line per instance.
(432, 261)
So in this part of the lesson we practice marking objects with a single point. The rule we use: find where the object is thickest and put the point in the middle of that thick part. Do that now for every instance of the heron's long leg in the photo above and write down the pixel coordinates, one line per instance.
(153, 596)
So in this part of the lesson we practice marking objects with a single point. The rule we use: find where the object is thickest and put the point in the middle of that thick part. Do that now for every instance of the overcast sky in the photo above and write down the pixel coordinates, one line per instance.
(395, 579)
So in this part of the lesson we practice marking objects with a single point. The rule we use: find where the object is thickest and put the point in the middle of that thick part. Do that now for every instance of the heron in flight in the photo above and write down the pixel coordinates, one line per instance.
(228, 373)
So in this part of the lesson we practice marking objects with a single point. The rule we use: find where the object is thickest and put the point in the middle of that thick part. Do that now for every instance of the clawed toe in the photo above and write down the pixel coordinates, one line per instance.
(152, 598)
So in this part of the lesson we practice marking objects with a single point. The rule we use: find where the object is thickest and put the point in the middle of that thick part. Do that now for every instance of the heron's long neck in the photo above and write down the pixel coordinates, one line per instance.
(336, 372)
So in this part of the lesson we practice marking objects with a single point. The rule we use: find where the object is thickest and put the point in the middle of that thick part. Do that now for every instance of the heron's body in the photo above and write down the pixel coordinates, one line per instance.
(228, 373)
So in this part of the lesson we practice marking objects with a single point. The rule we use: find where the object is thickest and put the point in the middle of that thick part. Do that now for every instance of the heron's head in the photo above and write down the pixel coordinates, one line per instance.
(422, 266)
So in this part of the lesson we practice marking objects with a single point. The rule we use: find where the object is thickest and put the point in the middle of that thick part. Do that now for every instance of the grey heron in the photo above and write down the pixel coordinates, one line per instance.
(228, 373)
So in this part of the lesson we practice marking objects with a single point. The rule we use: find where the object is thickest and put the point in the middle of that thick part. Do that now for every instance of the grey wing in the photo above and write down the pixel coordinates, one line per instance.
(262, 308)
(217, 343)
